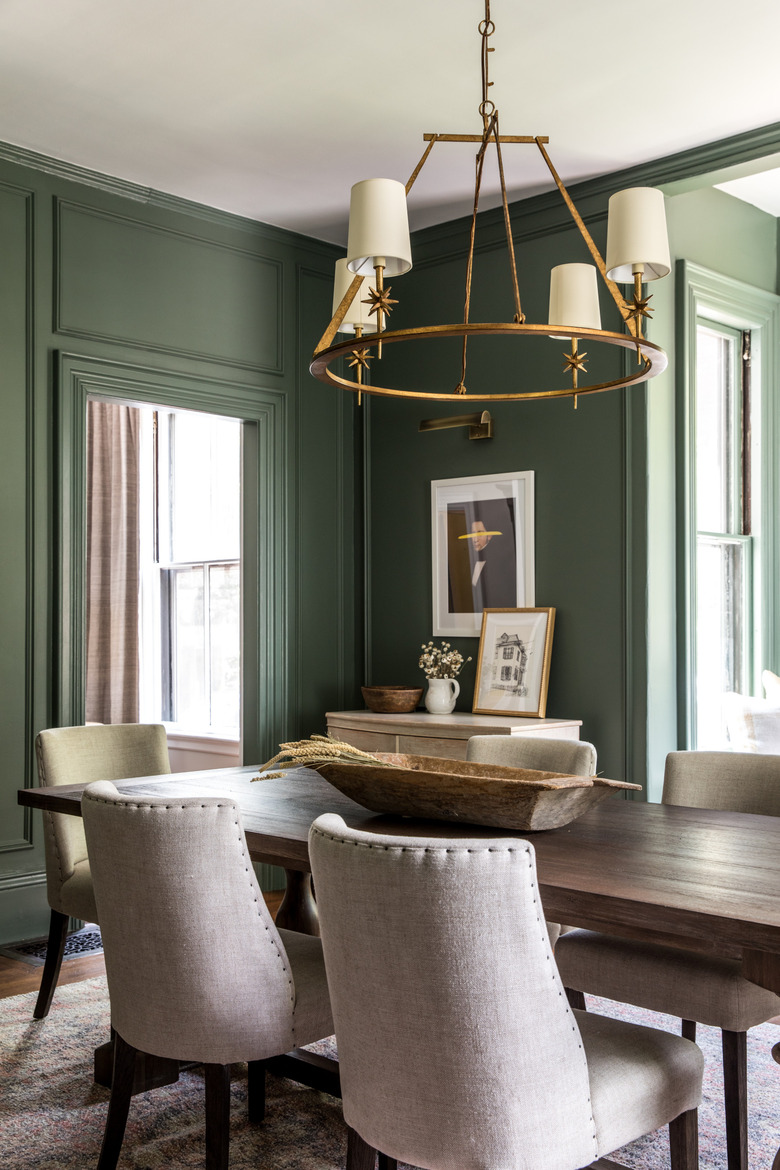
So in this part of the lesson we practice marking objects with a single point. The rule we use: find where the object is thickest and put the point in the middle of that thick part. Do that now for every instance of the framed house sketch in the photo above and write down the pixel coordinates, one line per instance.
(483, 548)
(514, 662)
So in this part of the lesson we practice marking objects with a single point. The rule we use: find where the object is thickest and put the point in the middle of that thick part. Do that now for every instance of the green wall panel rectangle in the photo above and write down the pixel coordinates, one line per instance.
(138, 283)
(15, 281)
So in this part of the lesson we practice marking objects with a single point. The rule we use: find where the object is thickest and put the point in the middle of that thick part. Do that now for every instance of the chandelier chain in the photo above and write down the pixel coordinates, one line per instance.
(486, 30)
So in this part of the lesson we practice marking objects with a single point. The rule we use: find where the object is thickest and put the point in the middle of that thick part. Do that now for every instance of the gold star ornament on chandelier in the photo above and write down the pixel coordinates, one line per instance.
(360, 358)
(575, 361)
(639, 308)
(380, 300)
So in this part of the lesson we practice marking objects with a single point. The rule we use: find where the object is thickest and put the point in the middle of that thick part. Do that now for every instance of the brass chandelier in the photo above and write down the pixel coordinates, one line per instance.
(379, 247)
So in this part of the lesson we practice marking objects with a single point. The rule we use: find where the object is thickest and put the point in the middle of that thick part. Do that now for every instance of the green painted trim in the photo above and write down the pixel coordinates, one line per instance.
(30, 765)
(250, 639)
(635, 574)
(264, 536)
(702, 293)
(149, 196)
(24, 911)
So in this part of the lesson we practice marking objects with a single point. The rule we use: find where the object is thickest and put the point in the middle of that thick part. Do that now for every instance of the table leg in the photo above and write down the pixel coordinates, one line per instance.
(298, 910)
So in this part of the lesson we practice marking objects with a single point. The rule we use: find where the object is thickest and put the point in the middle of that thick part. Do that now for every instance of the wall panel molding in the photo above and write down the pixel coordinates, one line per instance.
(100, 269)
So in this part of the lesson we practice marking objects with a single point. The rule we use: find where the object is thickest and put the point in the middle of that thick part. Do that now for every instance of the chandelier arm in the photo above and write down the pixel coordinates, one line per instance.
(617, 296)
(526, 139)
(480, 162)
(431, 139)
(519, 314)
(339, 315)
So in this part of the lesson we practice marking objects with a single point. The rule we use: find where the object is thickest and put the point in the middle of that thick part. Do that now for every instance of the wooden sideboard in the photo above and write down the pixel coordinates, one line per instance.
(421, 734)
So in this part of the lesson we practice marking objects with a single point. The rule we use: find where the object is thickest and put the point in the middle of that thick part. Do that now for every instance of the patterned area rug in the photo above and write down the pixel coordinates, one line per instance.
(52, 1114)
(86, 941)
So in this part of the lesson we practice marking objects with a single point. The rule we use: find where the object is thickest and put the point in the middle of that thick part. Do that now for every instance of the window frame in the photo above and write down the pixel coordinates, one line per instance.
(706, 296)
(266, 702)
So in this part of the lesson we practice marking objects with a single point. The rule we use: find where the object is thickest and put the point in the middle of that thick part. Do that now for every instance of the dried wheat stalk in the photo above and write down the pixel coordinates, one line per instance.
(317, 750)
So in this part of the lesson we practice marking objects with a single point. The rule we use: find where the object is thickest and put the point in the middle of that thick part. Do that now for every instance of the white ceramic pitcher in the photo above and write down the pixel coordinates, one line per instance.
(441, 695)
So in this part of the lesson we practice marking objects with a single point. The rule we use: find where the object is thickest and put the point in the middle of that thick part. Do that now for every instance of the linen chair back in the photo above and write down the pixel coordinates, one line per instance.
(196, 968)
(731, 781)
(456, 1043)
(79, 755)
(573, 757)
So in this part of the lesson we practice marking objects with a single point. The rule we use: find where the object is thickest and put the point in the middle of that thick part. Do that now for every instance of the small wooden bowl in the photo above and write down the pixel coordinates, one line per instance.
(391, 700)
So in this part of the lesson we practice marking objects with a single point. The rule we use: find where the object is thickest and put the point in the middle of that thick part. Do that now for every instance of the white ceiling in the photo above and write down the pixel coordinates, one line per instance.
(762, 190)
(274, 110)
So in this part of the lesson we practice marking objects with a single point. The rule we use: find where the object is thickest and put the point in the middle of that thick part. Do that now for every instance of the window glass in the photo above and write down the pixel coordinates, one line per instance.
(204, 482)
(714, 430)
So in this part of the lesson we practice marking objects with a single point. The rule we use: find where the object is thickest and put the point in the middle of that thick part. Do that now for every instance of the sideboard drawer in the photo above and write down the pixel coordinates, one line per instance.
(367, 741)
(421, 745)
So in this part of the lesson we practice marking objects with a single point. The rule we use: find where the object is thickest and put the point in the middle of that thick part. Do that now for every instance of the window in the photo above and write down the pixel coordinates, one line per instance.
(730, 560)
(723, 540)
(191, 572)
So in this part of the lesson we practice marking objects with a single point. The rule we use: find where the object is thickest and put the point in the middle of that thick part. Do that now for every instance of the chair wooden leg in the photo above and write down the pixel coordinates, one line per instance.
(689, 1029)
(217, 1116)
(386, 1163)
(360, 1155)
(256, 1091)
(684, 1141)
(576, 999)
(735, 1092)
(55, 947)
(119, 1104)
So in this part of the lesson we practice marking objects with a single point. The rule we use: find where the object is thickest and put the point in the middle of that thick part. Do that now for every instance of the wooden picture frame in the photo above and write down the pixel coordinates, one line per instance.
(513, 670)
(482, 530)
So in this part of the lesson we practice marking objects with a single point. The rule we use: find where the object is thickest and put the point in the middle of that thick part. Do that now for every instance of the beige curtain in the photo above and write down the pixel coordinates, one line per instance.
(112, 563)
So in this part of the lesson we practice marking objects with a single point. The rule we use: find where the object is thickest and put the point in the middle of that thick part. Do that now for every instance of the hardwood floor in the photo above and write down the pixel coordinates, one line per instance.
(17, 977)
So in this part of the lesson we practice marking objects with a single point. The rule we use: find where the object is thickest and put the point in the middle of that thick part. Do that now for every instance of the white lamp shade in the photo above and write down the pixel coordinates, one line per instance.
(358, 312)
(574, 297)
(636, 235)
(378, 228)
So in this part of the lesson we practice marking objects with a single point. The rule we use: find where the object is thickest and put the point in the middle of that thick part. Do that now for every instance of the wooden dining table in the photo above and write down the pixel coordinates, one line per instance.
(703, 879)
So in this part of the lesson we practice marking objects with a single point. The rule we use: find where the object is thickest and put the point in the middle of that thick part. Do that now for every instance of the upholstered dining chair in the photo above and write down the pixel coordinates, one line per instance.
(694, 986)
(73, 755)
(196, 969)
(457, 1046)
(574, 757)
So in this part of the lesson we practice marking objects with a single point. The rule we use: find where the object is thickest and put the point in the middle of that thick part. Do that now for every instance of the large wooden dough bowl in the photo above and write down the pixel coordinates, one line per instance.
(480, 794)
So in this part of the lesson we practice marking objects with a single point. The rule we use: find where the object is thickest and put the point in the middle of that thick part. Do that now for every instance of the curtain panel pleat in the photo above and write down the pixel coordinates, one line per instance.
(112, 563)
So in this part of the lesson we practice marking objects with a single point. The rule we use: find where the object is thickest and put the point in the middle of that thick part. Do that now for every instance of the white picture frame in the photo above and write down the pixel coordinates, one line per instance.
(482, 530)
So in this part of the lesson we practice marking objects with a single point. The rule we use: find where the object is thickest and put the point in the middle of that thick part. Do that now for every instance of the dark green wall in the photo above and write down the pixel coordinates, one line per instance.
(103, 284)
